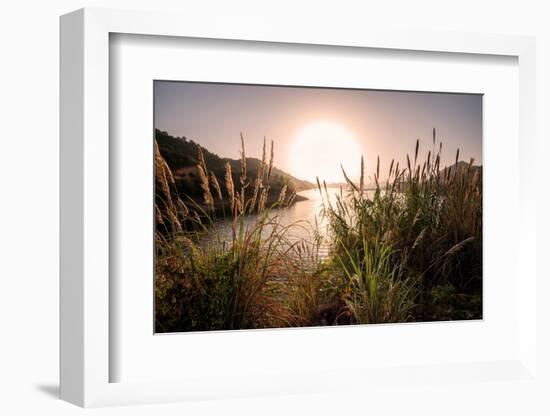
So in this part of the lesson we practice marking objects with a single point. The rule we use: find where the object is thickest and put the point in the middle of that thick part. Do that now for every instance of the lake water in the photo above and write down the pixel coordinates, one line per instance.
(306, 214)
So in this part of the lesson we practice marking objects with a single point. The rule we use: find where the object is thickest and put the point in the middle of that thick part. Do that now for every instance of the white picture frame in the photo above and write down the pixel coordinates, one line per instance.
(85, 353)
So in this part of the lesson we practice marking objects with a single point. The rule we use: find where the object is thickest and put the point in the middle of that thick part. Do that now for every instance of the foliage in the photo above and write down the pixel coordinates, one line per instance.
(424, 226)
(181, 155)
(409, 251)
(204, 282)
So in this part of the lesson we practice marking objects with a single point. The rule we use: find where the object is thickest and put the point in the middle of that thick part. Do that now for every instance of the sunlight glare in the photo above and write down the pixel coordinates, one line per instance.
(320, 148)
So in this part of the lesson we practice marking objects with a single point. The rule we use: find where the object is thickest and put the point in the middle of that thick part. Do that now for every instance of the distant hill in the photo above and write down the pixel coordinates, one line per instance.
(181, 155)
(460, 166)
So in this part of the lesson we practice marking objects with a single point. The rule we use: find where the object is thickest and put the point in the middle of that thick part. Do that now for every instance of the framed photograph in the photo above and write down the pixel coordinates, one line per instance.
(262, 211)
(325, 226)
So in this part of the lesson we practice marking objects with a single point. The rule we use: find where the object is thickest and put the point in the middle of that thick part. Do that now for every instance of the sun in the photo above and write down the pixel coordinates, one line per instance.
(320, 148)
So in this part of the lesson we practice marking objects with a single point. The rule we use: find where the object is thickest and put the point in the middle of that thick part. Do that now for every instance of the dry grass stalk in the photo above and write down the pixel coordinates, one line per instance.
(205, 186)
(229, 185)
(271, 158)
(243, 165)
(216, 187)
(362, 177)
(258, 183)
(282, 195)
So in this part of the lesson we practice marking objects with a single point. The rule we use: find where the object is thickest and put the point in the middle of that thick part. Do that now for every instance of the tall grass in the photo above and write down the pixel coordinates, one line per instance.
(378, 292)
(418, 236)
(205, 281)
(307, 281)
(409, 251)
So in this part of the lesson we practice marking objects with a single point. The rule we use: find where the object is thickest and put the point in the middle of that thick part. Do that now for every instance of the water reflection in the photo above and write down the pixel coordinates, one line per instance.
(306, 215)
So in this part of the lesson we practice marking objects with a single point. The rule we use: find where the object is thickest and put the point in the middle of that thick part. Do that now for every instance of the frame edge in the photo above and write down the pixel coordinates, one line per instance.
(71, 201)
(83, 355)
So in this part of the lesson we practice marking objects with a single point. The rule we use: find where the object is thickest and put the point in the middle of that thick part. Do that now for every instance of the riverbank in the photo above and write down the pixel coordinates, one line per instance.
(327, 257)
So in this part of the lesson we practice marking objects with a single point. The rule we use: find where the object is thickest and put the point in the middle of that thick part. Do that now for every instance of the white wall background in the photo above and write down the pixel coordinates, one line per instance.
(29, 56)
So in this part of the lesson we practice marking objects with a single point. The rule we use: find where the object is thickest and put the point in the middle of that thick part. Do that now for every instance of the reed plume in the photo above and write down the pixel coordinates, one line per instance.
(362, 177)
(218, 190)
(243, 165)
(205, 186)
(270, 167)
(258, 183)
(229, 185)
(282, 195)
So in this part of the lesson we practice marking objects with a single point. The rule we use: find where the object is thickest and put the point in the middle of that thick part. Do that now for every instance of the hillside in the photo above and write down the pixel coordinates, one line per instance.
(181, 155)
(461, 166)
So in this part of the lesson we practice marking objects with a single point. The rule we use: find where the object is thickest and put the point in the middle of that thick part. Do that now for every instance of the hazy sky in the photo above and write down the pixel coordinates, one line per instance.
(385, 123)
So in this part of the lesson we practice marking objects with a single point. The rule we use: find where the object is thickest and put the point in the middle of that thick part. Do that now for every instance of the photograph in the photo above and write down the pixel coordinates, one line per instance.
(300, 206)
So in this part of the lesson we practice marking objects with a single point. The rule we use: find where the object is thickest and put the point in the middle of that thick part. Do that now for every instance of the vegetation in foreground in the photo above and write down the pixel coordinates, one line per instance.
(410, 252)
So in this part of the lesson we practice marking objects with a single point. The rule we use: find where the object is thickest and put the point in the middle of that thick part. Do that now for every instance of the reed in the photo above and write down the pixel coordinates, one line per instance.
(411, 250)
(206, 281)
(419, 232)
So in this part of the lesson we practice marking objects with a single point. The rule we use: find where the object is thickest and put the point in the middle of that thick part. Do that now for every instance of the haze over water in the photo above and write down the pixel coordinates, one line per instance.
(307, 214)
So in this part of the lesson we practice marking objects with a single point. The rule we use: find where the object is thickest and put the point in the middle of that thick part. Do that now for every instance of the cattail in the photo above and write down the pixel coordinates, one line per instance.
(229, 184)
(391, 168)
(416, 151)
(457, 153)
